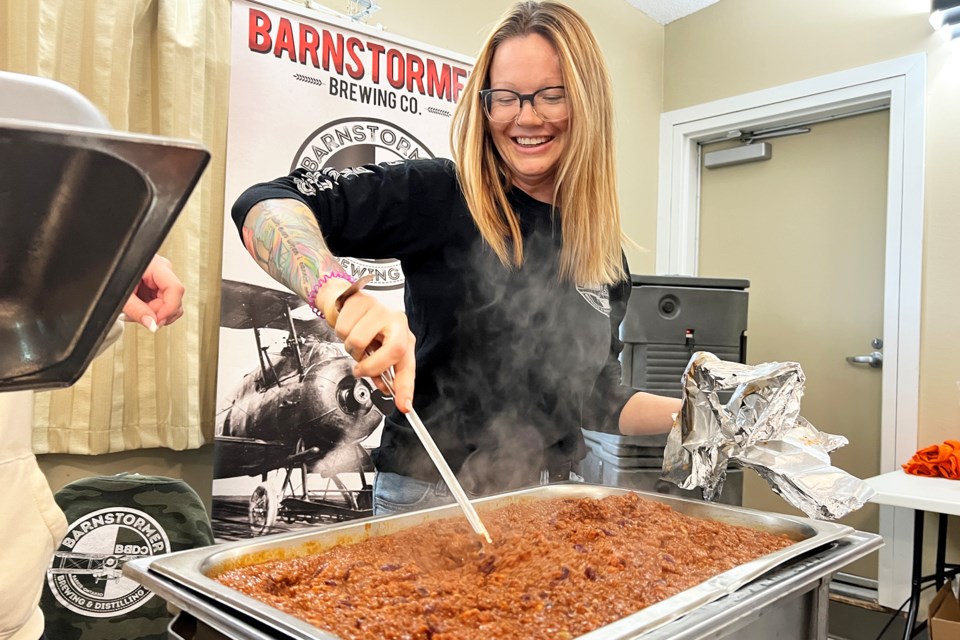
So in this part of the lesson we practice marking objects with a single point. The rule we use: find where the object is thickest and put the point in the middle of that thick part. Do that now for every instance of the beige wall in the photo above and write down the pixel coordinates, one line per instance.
(194, 466)
(737, 46)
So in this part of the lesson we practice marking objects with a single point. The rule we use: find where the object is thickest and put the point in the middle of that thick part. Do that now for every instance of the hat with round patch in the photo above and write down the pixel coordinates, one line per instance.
(112, 520)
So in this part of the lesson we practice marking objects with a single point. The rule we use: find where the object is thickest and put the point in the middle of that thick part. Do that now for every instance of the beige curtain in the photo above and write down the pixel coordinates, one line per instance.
(158, 67)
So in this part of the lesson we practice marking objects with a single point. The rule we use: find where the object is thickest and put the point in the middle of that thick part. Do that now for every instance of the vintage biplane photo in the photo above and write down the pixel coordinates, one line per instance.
(294, 425)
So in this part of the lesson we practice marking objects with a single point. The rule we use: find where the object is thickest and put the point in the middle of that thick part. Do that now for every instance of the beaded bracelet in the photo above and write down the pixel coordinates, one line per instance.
(342, 275)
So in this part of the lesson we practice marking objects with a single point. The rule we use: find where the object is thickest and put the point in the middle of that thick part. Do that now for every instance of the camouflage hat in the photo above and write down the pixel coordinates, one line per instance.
(114, 519)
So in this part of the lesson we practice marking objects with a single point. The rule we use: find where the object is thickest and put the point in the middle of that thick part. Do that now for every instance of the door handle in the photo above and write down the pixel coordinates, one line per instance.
(875, 360)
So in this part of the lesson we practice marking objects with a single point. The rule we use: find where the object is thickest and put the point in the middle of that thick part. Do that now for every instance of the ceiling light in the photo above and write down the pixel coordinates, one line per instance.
(945, 18)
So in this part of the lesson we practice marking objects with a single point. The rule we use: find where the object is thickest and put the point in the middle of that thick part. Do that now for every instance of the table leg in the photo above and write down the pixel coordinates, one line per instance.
(941, 571)
(917, 579)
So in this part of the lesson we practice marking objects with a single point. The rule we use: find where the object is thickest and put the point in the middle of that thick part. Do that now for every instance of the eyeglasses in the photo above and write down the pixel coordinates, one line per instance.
(505, 105)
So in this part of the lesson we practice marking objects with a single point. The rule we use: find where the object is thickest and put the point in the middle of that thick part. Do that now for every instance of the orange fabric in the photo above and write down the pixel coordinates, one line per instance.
(937, 460)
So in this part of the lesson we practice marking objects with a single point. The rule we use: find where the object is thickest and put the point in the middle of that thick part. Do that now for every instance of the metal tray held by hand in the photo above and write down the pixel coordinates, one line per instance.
(83, 211)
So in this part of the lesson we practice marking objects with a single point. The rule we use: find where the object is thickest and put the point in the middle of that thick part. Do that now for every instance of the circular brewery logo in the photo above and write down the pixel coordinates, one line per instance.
(86, 573)
(337, 149)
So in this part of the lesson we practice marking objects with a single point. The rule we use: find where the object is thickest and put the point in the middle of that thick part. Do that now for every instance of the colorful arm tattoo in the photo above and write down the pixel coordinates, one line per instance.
(284, 239)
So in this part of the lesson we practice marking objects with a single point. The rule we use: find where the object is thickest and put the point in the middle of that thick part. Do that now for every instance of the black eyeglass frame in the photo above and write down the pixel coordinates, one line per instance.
(524, 97)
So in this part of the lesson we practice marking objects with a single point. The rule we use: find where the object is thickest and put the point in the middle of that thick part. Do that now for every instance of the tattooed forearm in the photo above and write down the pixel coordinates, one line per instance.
(284, 239)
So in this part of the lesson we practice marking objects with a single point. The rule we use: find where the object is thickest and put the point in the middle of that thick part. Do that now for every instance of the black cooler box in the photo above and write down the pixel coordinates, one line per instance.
(668, 319)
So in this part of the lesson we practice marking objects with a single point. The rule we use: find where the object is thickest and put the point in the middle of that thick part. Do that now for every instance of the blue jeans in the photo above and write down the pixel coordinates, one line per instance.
(393, 493)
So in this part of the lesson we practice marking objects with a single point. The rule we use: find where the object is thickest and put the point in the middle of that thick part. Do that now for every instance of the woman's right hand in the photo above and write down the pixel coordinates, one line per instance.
(283, 237)
(377, 337)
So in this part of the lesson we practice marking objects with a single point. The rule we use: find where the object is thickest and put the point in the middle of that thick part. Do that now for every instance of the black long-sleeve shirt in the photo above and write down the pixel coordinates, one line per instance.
(510, 362)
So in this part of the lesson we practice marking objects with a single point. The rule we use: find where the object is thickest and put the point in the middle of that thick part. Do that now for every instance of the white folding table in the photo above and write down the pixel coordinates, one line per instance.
(936, 495)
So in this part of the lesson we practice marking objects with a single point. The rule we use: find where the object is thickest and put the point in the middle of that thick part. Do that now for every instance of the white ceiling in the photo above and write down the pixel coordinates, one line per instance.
(666, 11)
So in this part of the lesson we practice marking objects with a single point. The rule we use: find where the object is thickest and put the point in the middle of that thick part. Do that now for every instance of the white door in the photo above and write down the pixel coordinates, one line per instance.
(807, 228)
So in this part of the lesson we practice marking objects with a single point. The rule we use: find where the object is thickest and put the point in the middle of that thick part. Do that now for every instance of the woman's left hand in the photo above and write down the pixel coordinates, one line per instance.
(158, 299)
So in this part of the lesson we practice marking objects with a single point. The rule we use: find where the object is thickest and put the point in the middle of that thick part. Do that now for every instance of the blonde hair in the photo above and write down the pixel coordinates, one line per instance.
(586, 183)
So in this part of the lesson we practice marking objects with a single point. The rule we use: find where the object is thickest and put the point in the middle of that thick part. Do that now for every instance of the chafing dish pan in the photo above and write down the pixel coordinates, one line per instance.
(83, 211)
(192, 568)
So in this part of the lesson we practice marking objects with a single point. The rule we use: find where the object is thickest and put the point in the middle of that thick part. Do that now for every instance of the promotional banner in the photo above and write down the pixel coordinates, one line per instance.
(294, 427)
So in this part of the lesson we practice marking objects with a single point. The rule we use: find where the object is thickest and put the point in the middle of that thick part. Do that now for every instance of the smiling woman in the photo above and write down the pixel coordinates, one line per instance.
(540, 45)
(529, 144)
(515, 278)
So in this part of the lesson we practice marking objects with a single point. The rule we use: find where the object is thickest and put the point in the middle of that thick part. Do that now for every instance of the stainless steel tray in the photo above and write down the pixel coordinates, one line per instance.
(83, 211)
(192, 568)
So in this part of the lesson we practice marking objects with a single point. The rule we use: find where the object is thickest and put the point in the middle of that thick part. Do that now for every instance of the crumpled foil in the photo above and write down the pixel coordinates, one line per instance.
(759, 427)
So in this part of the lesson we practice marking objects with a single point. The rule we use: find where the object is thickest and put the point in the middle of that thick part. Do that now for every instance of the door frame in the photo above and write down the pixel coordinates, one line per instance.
(900, 83)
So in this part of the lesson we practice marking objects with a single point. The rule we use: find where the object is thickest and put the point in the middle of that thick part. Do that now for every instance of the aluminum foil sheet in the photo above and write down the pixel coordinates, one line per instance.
(759, 427)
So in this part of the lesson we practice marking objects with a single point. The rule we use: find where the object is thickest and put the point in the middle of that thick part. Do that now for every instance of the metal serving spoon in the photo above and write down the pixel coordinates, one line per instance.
(425, 438)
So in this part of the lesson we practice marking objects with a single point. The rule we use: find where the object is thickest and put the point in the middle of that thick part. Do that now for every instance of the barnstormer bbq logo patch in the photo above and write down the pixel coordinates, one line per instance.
(337, 151)
(86, 573)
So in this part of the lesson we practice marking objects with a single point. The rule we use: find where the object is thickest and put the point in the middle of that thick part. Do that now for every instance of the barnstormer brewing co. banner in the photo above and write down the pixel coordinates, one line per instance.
(294, 428)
